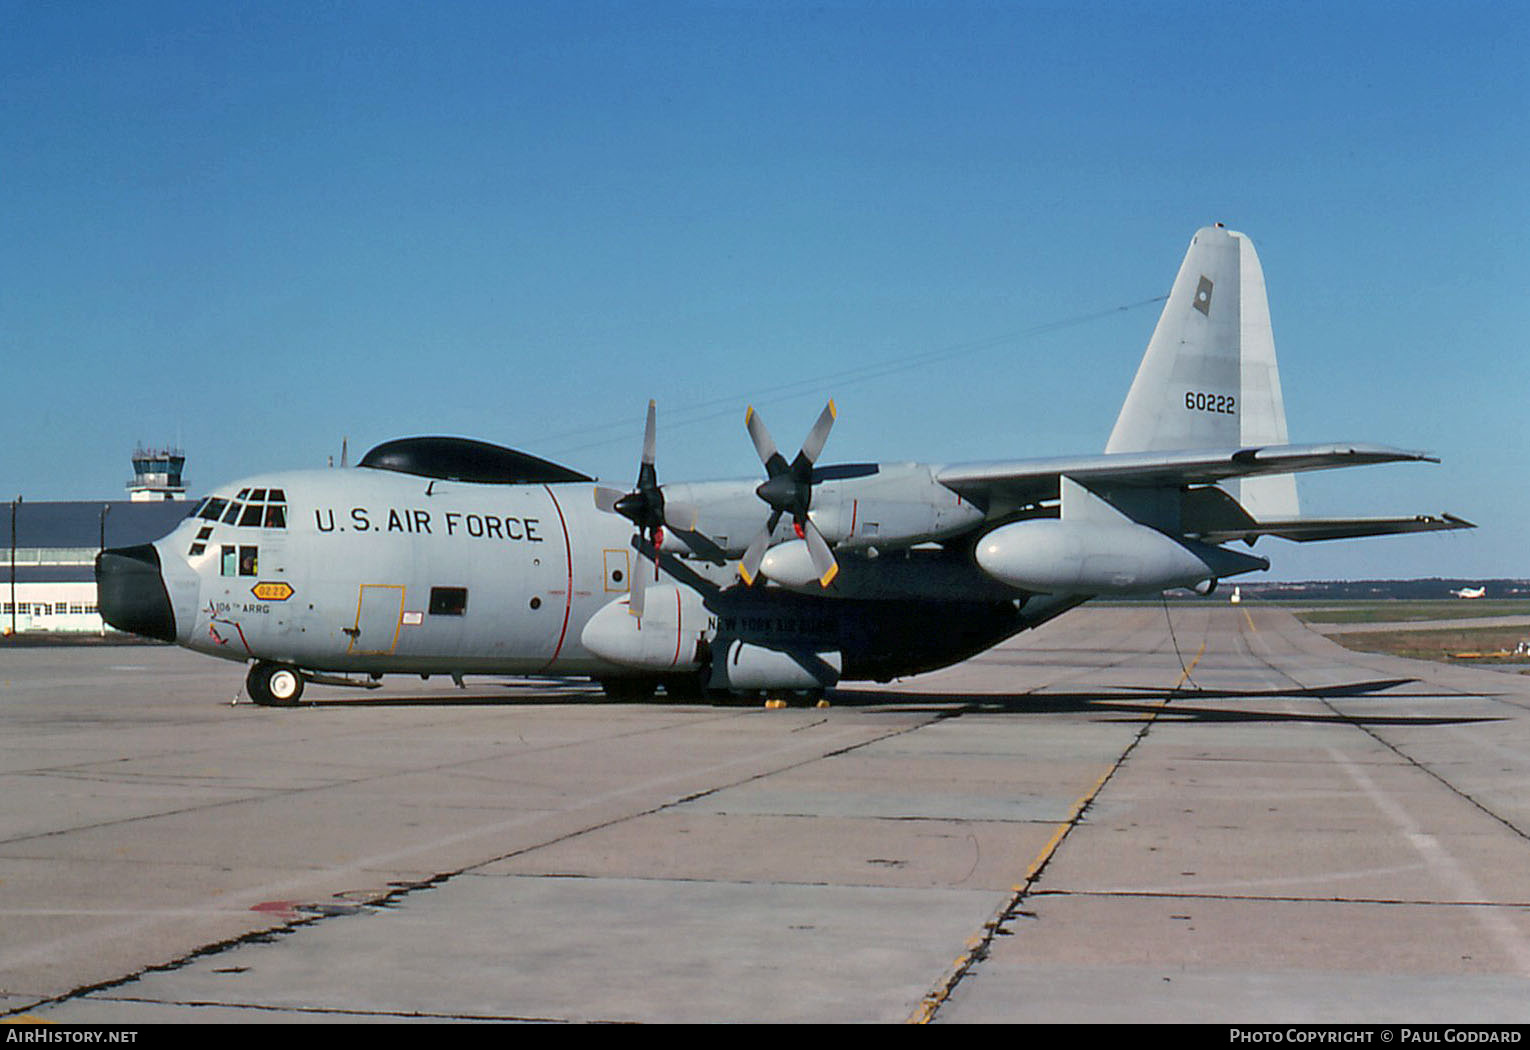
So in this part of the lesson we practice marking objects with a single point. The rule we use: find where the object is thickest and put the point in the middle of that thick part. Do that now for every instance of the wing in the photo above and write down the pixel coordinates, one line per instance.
(1032, 480)
(1208, 513)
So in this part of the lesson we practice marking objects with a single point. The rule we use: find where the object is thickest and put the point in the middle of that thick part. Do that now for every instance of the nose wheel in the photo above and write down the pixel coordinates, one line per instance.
(274, 685)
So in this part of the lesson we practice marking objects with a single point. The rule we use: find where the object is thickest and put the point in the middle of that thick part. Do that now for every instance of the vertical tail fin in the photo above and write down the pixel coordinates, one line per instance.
(1209, 378)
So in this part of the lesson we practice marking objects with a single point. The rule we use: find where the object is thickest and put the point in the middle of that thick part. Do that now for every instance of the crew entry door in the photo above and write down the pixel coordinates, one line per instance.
(379, 612)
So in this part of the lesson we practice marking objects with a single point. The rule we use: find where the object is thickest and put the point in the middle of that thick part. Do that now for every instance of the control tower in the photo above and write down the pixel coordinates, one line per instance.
(157, 475)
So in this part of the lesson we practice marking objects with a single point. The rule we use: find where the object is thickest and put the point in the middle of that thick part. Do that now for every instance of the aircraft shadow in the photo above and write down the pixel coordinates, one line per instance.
(468, 699)
(1182, 705)
(1343, 689)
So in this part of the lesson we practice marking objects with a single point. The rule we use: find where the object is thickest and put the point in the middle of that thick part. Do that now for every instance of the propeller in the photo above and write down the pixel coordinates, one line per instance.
(788, 489)
(646, 508)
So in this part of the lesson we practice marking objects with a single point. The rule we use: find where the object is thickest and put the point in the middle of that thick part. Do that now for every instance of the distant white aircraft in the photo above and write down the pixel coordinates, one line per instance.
(1470, 592)
(439, 555)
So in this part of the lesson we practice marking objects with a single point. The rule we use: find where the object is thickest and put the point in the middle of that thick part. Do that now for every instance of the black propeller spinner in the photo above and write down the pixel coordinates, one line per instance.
(789, 490)
(645, 507)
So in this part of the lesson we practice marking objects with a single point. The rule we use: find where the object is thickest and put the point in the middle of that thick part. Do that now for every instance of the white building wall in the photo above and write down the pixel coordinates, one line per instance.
(51, 607)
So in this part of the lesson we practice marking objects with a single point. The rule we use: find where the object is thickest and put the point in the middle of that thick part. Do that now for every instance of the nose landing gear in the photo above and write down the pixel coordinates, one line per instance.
(274, 685)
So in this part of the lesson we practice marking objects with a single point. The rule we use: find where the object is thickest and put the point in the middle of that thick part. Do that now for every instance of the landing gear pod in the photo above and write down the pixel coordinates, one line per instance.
(670, 635)
(750, 666)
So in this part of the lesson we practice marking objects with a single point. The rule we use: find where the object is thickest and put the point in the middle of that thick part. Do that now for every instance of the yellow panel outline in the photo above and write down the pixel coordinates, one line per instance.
(398, 619)
(625, 566)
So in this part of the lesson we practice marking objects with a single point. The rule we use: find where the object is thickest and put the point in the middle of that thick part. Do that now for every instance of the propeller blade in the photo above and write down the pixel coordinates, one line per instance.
(749, 565)
(637, 589)
(649, 430)
(820, 433)
(775, 463)
(824, 562)
(606, 498)
(643, 567)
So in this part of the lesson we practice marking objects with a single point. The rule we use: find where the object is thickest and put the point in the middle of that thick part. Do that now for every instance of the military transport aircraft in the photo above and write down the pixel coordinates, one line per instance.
(440, 555)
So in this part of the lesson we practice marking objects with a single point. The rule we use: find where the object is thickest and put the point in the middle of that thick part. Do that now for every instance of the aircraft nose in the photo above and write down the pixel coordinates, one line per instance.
(131, 592)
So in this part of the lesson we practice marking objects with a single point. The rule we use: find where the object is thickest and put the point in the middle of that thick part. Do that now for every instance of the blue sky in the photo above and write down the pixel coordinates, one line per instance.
(256, 229)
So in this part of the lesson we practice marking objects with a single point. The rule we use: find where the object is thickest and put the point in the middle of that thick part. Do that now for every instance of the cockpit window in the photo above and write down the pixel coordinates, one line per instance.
(252, 508)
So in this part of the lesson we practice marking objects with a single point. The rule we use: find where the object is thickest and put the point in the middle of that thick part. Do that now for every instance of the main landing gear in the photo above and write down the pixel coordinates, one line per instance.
(686, 687)
(775, 699)
(274, 685)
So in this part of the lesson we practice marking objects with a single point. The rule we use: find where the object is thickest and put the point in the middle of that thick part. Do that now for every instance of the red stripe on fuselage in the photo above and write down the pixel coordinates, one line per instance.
(568, 591)
(678, 632)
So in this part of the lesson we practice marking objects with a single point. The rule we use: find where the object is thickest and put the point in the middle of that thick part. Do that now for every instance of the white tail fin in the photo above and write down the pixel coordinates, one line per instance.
(1209, 377)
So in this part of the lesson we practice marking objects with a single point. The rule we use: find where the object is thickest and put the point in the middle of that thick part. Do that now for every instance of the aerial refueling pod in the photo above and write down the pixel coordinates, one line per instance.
(1058, 556)
(669, 636)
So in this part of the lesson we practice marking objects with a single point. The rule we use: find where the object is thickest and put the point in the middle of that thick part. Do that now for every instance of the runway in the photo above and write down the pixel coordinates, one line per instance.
(1219, 817)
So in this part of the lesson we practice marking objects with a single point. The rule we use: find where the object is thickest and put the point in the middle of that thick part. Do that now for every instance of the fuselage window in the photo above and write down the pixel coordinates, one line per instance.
(276, 516)
(249, 561)
(228, 564)
(448, 601)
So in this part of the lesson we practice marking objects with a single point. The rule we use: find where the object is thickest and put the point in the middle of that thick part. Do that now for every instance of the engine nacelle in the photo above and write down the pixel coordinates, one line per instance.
(751, 666)
(668, 637)
(1056, 556)
(898, 505)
